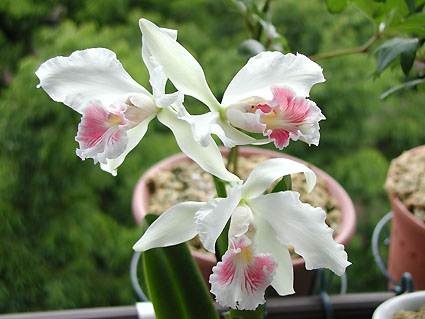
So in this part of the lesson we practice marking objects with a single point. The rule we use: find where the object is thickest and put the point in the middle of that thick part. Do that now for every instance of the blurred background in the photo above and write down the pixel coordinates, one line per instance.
(66, 226)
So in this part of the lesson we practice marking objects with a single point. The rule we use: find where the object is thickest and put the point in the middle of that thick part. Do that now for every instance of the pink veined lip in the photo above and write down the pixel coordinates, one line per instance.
(284, 117)
(99, 126)
(254, 271)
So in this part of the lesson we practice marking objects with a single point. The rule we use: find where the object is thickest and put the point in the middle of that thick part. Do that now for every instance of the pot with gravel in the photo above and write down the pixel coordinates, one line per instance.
(406, 189)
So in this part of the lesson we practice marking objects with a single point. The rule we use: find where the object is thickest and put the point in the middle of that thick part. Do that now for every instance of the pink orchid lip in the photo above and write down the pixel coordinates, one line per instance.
(284, 116)
(240, 280)
(101, 133)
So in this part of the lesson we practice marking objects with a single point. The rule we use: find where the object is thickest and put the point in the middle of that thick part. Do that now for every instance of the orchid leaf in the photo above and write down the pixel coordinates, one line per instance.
(163, 295)
(174, 282)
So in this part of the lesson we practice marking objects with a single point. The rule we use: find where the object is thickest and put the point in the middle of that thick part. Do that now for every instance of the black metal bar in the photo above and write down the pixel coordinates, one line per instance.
(351, 306)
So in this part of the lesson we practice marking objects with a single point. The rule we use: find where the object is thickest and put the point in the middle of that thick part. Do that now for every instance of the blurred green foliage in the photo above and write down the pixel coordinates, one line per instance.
(67, 228)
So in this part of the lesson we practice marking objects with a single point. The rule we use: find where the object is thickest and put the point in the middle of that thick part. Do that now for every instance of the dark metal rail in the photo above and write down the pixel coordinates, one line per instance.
(351, 306)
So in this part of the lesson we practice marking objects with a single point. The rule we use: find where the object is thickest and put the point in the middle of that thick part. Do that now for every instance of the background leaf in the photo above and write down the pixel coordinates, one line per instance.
(390, 50)
(411, 4)
(335, 6)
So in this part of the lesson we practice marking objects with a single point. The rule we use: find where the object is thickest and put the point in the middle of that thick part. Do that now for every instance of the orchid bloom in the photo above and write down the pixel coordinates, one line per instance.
(116, 110)
(268, 95)
(261, 228)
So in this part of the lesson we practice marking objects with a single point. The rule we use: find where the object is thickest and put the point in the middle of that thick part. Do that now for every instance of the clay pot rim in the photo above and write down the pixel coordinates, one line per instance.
(348, 222)
(397, 204)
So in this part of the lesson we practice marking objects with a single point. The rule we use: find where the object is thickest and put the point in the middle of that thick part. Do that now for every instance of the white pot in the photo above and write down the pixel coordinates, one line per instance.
(409, 302)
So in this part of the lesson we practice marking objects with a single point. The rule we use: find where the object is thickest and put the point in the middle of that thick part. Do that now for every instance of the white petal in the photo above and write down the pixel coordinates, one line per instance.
(134, 137)
(212, 218)
(267, 243)
(303, 227)
(174, 226)
(268, 171)
(178, 64)
(92, 74)
(273, 69)
(208, 158)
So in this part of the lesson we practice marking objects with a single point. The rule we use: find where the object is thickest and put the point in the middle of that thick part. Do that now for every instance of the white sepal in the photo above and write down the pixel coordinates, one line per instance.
(174, 226)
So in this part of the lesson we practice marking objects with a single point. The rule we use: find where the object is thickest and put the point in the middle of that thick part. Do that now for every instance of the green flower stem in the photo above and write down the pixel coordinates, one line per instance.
(232, 160)
(221, 244)
(220, 187)
(285, 184)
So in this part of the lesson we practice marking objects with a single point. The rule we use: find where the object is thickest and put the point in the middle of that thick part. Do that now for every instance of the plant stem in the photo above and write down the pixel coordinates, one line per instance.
(232, 160)
(361, 49)
(285, 184)
(235, 160)
(219, 187)
(221, 244)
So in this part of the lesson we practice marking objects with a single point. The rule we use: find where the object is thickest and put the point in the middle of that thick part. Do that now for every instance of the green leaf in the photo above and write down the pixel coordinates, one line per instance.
(403, 86)
(335, 6)
(406, 60)
(411, 4)
(162, 293)
(390, 50)
(174, 282)
(414, 24)
(389, 11)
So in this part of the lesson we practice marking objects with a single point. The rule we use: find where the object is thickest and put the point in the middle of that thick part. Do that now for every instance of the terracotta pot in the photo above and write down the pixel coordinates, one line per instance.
(206, 262)
(407, 252)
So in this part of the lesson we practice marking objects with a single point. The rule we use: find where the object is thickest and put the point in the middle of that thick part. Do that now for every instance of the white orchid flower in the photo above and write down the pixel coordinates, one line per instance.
(268, 95)
(274, 220)
(116, 110)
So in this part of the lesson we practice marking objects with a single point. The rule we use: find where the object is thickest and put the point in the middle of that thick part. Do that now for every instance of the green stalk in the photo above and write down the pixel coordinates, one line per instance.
(220, 187)
(232, 160)
(221, 244)
(285, 184)
(235, 160)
